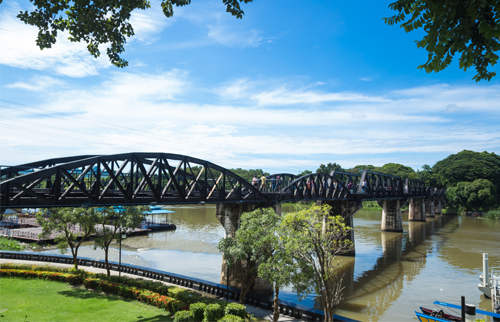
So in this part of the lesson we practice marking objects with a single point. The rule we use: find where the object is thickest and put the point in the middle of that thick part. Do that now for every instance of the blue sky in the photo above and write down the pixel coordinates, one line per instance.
(286, 88)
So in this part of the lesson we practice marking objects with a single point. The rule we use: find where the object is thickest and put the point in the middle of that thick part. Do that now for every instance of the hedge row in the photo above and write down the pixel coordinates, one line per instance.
(146, 296)
(212, 312)
(157, 287)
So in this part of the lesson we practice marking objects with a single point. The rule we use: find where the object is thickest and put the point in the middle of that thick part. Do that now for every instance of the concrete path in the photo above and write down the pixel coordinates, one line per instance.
(257, 312)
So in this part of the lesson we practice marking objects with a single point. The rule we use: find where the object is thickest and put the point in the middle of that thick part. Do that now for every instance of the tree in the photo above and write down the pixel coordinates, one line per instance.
(359, 168)
(397, 169)
(113, 221)
(477, 195)
(304, 173)
(73, 226)
(98, 22)
(249, 174)
(471, 28)
(328, 168)
(313, 237)
(253, 244)
(468, 166)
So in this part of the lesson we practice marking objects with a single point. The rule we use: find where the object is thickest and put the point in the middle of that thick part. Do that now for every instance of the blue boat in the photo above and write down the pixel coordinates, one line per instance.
(429, 315)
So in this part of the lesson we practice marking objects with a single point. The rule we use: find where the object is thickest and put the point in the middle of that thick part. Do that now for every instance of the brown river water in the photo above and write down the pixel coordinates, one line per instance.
(391, 275)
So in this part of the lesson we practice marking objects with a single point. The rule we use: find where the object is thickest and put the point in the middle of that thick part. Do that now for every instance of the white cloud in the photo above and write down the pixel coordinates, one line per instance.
(234, 37)
(160, 112)
(64, 58)
(37, 84)
(366, 79)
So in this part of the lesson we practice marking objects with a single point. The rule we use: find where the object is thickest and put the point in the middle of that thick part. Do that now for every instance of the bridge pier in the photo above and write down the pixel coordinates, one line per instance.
(347, 209)
(437, 206)
(429, 207)
(417, 210)
(392, 220)
(229, 215)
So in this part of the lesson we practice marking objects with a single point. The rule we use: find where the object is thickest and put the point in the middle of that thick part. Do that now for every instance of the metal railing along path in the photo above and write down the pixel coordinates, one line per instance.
(287, 308)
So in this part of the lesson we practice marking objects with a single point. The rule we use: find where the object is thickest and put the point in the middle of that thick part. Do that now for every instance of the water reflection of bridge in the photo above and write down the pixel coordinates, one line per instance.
(403, 258)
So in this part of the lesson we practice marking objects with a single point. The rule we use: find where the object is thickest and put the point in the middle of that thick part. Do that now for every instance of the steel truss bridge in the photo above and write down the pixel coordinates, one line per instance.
(164, 178)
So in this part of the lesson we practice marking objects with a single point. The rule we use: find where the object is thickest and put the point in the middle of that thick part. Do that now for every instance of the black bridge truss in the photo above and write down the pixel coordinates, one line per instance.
(163, 178)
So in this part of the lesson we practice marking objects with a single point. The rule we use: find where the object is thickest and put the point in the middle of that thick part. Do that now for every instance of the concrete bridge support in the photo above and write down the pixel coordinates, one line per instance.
(437, 206)
(229, 217)
(429, 207)
(417, 210)
(347, 209)
(392, 220)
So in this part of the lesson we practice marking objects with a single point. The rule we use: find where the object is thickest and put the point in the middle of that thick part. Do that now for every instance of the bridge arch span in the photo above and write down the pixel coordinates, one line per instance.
(130, 178)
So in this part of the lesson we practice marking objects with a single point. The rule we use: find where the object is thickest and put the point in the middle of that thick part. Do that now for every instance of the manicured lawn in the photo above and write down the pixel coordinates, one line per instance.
(41, 300)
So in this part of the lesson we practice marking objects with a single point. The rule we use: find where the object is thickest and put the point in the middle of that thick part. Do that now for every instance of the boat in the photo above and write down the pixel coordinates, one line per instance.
(429, 315)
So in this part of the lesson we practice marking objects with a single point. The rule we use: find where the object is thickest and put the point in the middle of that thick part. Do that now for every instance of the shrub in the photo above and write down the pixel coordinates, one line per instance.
(186, 296)
(184, 316)
(11, 244)
(235, 309)
(198, 310)
(231, 318)
(492, 214)
(213, 312)
(91, 283)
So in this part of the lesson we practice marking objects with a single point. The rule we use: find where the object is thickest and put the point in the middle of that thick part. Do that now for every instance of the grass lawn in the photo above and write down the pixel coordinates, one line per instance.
(41, 300)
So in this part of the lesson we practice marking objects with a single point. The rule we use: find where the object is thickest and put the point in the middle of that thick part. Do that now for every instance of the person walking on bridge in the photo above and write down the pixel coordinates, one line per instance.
(255, 182)
(263, 185)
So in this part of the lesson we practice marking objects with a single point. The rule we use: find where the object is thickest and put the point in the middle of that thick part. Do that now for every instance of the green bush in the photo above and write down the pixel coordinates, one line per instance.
(231, 318)
(11, 244)
(213, 312)
(184, 316)
(235, 309)
(198, 310)
(493, 215)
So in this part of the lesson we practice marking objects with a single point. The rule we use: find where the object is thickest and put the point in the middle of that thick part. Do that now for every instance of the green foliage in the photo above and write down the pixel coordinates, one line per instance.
(304, 173)
(313, 237)
(184, 316)
(213, 312)
(97, 23)
(477, 195)
(327, 169)
(397, 169)
(371, 205)
(254, 243)
(359, 168)
(492, 214)
(74, 225)
(232, 318)
(249, 174)
(235, 309)
(11, 244)
(198, 310)
(471, 28)
(122, 220)
(468, 166)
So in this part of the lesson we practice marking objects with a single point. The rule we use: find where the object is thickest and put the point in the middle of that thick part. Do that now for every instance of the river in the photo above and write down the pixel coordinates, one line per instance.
(391, 275)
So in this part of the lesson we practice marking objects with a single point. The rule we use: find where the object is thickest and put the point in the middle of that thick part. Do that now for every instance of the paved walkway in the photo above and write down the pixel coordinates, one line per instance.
(257, 312)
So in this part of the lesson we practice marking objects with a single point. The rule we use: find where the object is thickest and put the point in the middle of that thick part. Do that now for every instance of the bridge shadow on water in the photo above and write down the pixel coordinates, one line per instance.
(375, 278)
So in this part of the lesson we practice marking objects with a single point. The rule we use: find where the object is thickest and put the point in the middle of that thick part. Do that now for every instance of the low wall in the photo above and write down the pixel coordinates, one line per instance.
(287, 308)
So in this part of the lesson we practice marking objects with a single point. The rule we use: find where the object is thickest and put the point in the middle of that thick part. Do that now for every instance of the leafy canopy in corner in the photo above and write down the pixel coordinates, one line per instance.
(468, 166)
(97, 22)
(471, 28)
